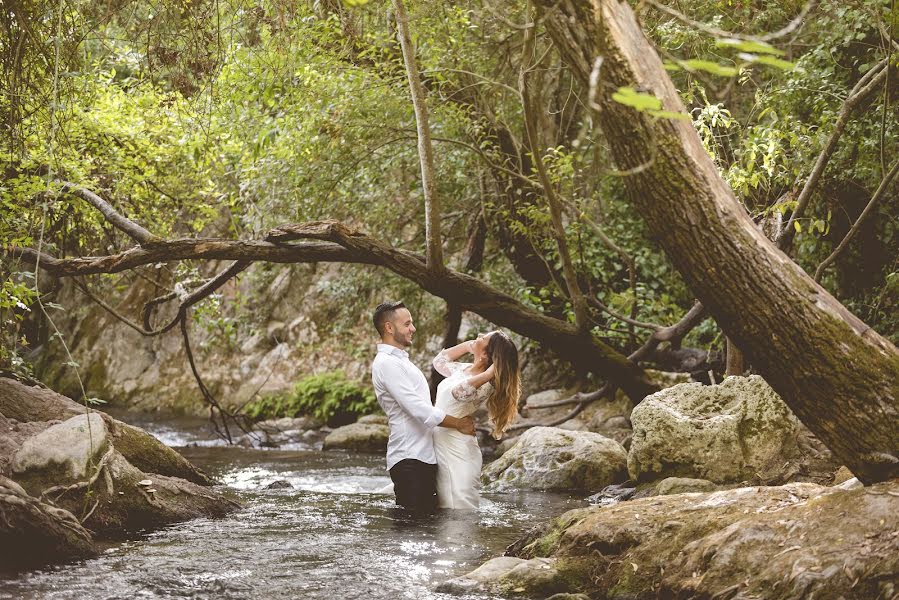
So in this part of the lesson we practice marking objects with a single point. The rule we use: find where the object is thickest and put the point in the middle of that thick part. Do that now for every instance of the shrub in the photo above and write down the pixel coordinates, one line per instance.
(330, 397)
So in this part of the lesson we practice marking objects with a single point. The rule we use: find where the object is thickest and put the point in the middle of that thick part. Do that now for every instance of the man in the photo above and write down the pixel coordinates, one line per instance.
(403, 394)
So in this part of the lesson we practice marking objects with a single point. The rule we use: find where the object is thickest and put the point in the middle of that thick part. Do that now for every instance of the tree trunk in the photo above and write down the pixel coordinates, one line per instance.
(734, 359)
(836, 374)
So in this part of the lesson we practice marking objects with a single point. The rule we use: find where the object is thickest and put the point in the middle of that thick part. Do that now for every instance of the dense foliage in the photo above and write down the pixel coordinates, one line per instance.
(228, 118)
(330, 397)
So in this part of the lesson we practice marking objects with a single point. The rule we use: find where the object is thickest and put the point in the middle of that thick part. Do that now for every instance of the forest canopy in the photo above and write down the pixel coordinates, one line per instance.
(226, 119)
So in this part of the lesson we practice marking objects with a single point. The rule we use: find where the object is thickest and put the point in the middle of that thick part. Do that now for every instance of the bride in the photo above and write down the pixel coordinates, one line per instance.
(492, 377)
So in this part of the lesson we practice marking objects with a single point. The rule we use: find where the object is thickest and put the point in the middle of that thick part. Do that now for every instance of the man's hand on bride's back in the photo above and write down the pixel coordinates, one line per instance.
(466, 426)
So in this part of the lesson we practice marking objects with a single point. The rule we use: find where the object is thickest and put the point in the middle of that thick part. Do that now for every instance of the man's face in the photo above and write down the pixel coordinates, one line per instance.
(402, 327)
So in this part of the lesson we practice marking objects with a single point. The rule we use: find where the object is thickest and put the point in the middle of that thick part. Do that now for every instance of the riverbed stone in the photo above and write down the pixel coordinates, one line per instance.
(62, 453)
(359, 437)
(285, 430)
(682, 485)
(801, 539)
(376, 419)
(33, 533)
(549, 458)
(506, 574)
(739, 430)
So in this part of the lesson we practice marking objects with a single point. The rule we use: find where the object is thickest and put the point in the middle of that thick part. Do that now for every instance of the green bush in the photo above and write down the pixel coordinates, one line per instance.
(329, 396)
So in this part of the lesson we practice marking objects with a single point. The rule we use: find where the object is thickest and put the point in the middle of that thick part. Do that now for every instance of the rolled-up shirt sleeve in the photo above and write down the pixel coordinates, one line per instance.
(403, 391)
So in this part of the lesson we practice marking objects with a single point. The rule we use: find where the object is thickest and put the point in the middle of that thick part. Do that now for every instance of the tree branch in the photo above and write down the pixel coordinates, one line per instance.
(335, 242)
(425, 149)
(866, 86)
(881, 191)
(555, 208)
(131, 229)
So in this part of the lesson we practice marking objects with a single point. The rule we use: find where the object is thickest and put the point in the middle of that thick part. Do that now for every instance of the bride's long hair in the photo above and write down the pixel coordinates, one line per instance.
(502, 405)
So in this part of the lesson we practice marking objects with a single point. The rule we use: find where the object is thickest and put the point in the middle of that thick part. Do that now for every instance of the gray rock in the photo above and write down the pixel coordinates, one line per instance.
(680, 485)
(286, 430)
(360, 437)
(62, 453)
(573, 425)
(545, 397)
(279, 484)
(548, 458)
(802, 540)
(613, 494)
(507, 574)
(736, 431)
(376, 419)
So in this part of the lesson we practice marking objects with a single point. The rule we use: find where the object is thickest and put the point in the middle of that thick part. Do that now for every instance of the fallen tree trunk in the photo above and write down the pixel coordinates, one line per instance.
(837, 375)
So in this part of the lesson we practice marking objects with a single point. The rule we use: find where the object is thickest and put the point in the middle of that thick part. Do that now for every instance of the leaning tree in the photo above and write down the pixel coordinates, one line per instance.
(837, 374)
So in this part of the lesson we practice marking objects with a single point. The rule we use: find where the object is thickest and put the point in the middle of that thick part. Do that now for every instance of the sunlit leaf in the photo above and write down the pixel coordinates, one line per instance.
(768, 60)
(637, 100)
(708, 66)
(748, 46)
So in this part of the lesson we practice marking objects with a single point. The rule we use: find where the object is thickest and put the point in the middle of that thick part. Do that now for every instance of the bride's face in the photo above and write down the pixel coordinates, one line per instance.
(480, 345)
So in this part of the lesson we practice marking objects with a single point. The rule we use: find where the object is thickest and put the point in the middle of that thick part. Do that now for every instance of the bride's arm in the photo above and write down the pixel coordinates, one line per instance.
(450, 355)
(467, 391)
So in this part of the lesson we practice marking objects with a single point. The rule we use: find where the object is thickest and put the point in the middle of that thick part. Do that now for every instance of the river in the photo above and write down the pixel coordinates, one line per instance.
(329, 536)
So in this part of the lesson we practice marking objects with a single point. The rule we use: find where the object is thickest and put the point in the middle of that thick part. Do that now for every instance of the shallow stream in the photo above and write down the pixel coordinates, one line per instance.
(330, 536)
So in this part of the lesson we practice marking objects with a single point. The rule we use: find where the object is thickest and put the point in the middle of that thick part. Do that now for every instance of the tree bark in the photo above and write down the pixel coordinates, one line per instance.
(837, 375)
(734, 359)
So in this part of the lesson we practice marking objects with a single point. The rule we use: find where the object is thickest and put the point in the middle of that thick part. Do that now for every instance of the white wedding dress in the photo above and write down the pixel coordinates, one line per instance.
(458, 455)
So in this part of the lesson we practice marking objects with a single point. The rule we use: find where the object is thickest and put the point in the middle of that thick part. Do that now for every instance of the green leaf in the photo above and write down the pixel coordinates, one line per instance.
(669, 114)
(768, 60)
(708, 66)
(797, 226)
(637, 100)
(748, 46)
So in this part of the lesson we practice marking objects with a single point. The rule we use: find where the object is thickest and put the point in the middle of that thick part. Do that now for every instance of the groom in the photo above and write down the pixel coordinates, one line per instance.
(403, 394)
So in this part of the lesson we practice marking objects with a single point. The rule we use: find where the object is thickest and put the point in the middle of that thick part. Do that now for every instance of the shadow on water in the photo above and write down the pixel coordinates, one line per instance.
(331, 534)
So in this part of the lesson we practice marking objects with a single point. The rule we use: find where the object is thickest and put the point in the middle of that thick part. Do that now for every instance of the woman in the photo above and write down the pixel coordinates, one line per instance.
(492, 377)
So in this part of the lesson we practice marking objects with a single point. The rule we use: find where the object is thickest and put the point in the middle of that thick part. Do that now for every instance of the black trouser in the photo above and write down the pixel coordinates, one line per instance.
(415, 485)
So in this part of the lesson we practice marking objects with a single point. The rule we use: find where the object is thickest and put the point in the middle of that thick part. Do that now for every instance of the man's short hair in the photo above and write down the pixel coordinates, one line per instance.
(384, 313)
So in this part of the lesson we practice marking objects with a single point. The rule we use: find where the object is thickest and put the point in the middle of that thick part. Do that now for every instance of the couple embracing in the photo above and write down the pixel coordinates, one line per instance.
(432, 453)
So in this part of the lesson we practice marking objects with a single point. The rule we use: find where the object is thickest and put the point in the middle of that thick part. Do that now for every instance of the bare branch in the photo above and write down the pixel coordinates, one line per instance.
(866, 86)
(131, 229)
(720, 33)
(425, 149)
(880, 193)
(336, 242)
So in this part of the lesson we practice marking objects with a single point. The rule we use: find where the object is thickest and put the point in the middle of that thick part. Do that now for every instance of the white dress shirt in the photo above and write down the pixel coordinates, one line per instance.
(403, 393)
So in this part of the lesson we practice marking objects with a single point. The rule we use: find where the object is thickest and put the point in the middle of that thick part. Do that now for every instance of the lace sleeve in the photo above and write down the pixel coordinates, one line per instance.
(442, 364)
(465, 392)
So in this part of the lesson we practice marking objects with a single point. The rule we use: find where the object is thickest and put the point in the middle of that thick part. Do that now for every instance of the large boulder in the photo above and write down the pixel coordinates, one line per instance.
(62, 454)
(739, 430)
(359, 437)
(116, 478)
(33, 532)
(548, 458)
(124, 499)
(796, 541)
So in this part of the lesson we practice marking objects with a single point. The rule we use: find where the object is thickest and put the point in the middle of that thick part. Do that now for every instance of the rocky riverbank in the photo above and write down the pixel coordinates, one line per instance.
(715, 492)
(72, 477)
